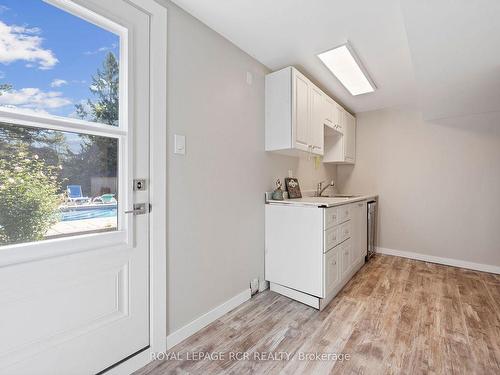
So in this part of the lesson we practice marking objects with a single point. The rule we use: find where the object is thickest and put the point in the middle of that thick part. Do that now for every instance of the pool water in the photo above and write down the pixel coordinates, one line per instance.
(93, 213)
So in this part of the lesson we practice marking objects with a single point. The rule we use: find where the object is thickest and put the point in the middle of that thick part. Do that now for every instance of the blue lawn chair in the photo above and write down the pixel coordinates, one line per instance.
(75, 194)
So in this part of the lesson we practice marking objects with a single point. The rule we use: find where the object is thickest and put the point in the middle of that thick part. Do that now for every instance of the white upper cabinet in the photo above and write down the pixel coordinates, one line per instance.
(339, 118)
(340, 145)
(300, 112)
(330, 108)
(349, 138)
(317, 112)
(294, 113)
(301, 119)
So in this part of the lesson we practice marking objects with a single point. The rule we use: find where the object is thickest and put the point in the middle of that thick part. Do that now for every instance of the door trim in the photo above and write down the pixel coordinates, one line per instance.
(158, 189)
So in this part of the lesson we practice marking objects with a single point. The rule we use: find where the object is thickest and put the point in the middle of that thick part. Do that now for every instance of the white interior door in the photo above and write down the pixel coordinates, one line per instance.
(74, 294)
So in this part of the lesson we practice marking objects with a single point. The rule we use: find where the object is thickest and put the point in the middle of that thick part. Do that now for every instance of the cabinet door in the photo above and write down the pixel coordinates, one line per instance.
(300, 110)
(332, 271)
(294, 248)
(350, 138)
(329, 111)
(359, 230)
(317, 120)
(339, 118)
(345, 254)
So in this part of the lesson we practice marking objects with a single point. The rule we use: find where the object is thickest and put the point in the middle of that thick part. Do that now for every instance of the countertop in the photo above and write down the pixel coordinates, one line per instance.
(323, 201)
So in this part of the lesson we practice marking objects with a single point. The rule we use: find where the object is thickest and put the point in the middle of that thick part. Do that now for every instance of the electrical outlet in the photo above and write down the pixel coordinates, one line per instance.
(290, 173)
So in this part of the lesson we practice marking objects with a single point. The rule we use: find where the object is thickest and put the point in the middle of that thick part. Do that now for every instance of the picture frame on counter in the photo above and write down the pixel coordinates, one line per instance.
(293, 187)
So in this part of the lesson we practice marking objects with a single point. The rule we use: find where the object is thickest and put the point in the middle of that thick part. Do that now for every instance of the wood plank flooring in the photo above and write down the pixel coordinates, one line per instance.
(396, 316)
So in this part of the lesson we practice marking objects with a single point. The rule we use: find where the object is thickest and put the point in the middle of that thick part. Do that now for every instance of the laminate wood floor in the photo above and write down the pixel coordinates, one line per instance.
(396, 316)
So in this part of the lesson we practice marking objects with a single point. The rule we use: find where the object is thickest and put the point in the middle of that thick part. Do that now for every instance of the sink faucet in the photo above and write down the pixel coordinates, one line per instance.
(320, 189)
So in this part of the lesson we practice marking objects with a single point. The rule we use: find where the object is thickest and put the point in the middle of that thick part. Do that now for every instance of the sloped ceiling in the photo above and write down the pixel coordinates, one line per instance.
(439, 56)
(455, 50)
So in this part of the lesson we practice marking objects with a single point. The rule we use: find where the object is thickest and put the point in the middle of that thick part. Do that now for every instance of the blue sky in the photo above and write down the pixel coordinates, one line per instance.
(49, 56)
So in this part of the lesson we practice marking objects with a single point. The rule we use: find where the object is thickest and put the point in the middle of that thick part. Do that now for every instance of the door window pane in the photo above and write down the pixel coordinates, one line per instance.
(55, 184)
(54, 63)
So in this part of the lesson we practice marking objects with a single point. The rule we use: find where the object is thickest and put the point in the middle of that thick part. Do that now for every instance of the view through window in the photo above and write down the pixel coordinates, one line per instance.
(56, 183)
(52, 62)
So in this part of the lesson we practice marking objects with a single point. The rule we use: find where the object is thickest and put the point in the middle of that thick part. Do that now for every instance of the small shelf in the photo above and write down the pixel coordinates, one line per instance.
(331, 131)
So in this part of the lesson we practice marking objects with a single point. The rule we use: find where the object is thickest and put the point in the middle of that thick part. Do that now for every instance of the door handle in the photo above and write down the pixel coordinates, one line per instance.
(140, 209)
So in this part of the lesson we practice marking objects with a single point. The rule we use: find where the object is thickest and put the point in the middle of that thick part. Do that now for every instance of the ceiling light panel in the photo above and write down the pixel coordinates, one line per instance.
(345, 65)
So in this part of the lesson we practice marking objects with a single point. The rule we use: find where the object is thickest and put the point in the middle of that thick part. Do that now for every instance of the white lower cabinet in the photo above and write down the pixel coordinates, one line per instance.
(346, 257)
(311, 252)
(332, 271)
(359, 219)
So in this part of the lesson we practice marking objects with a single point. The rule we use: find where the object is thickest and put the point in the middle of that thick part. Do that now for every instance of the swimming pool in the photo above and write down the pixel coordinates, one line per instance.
(82, 213)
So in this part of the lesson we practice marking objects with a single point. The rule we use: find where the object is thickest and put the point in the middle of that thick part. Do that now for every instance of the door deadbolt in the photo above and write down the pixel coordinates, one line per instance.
(140, 184)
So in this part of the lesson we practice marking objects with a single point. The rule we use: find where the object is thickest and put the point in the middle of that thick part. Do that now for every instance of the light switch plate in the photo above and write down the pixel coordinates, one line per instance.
(179, 144)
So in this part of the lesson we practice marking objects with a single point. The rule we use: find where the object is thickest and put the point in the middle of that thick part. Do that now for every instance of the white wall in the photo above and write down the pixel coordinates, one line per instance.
(216, 191)
(438, 185)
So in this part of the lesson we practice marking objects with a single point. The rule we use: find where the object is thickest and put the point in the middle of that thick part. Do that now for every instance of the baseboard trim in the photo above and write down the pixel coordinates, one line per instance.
(204, 320)
(302, 297)
(439, 260)
(263, 285)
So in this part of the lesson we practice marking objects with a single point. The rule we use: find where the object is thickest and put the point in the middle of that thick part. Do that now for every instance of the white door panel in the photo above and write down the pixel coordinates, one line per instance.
(81, 305)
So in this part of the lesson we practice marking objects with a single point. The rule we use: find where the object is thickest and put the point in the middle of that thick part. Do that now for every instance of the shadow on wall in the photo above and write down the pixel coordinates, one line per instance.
(484, 123)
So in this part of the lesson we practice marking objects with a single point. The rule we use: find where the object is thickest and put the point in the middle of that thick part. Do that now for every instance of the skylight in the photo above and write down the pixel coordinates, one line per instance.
(344, 64)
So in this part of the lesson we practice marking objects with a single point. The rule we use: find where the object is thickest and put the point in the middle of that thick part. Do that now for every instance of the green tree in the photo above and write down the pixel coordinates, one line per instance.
(28, 197)
(100, 154)
(105, 86)
(49, 145)
(4, 87)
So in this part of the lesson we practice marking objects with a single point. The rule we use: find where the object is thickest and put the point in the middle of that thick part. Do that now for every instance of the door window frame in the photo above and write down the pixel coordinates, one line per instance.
(123, 235)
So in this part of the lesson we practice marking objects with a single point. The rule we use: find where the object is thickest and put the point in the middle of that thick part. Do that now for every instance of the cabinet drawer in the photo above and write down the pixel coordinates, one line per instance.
(345, 231)
(332, 271)
(332, 238)
(332, 217)
(344, 213)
